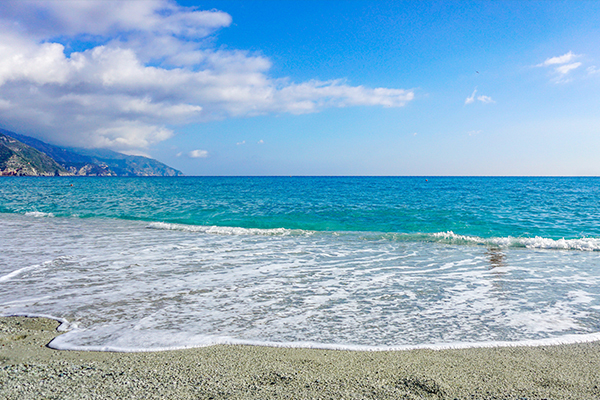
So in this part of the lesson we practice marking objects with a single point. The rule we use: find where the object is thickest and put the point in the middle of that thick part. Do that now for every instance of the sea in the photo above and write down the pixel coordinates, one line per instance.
(354, 263)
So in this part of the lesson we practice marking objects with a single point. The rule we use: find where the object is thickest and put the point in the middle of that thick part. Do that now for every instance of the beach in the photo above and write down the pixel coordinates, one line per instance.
(351, 288)
(31, 370)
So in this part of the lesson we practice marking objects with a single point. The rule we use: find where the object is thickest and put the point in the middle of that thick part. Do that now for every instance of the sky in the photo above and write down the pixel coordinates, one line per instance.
(311, 87)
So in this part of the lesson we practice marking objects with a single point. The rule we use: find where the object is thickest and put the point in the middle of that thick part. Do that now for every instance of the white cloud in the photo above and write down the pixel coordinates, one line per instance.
(145, 65)
(483, 99)
(260, 141)
(471, 98)
(563, 66)
(592, 70)
(565, 58)
(42, 19)
(474, 133)
(136, 153)
(126, 134)
(198, 154)
(241, 143)
(564, 69)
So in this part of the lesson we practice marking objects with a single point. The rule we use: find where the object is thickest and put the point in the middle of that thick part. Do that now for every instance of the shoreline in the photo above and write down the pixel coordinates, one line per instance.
(30, 370)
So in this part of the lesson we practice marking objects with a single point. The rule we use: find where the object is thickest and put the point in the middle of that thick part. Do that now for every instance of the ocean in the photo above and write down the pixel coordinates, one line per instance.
(359, 263)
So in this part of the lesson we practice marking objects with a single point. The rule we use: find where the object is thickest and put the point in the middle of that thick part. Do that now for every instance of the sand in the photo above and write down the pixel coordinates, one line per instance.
(31, 370)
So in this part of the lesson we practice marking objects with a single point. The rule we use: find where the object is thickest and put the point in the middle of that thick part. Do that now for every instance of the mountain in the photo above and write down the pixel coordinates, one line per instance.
(20, 159)
(82, 162)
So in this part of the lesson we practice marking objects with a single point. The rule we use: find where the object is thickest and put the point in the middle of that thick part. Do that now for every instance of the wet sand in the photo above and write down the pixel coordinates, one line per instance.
(31, 370)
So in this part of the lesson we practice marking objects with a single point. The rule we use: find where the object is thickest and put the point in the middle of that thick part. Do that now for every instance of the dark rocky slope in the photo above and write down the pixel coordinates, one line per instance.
(37, 158)
(19, 159)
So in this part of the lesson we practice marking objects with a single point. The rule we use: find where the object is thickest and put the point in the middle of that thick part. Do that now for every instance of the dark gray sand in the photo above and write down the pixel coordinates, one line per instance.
(30, 370)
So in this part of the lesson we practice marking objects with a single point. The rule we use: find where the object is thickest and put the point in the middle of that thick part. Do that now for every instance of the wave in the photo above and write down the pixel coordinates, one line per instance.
(168, 341)
(537, 242)
(226, 230)
(17, 272)
(39, 214)
(448, 237)
(65, 325)
(179, 340)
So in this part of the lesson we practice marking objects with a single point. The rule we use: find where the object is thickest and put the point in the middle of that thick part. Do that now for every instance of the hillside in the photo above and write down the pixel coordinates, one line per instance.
(19, 159)
(75, 161)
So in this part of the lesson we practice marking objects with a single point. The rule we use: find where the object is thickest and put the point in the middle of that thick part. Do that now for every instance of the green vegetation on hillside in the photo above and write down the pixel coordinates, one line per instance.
(19, 159)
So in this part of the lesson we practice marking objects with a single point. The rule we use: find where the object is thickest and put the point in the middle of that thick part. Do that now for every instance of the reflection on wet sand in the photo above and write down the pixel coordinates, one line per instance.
(497, 259)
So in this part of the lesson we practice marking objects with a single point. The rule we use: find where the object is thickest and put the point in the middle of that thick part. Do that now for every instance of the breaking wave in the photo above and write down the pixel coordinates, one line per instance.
(449, 237)
(226, 230)
(583, 244)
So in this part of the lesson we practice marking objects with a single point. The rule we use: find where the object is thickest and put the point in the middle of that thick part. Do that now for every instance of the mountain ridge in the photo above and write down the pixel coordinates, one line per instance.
(26, 156)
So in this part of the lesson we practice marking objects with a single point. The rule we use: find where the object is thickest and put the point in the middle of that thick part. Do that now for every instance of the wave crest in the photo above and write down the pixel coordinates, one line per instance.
(225, 230)
(583, 244)
(448, 237)
(39, 214)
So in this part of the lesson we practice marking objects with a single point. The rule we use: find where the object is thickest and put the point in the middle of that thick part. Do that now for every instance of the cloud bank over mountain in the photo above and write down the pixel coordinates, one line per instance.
(122, 74)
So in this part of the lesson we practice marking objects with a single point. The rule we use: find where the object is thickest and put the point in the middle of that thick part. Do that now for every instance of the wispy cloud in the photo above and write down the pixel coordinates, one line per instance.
(198, 154)
(565, 58)
(471, 98)
(481, 98)
(241, 143)
(563, 66)
(149, 66)
(564, 69)
(485, 99)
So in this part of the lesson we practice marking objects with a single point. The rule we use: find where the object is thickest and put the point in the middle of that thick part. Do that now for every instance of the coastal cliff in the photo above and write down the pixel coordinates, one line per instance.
(18, 159)
(22, 155)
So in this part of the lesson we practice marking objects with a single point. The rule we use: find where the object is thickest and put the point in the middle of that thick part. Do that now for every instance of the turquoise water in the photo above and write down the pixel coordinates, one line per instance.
(485, 207)
(339, 262)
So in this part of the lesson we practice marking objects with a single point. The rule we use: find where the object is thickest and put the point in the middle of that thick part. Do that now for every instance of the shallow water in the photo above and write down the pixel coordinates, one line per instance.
(148, 264)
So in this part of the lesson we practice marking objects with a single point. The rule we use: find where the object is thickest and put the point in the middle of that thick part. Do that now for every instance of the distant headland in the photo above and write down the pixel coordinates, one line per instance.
(22, 155)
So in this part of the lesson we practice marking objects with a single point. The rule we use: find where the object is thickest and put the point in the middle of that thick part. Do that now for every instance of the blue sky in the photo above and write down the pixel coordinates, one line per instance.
(311, 87)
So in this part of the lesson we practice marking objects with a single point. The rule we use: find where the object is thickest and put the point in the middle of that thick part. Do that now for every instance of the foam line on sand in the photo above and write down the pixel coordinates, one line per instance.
(31, 370)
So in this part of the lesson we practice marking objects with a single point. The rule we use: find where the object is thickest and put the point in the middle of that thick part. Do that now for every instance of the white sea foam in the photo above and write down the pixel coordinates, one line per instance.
(584, 244)
(65, 326)
(17, 272)
(183, 340)
(224, 230)
(39, 214)
(128, 288)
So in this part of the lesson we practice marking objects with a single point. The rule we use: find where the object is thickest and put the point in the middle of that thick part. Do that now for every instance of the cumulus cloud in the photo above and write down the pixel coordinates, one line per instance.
(141, 68)
(198, 154)
(483, 99)
(563, 65)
